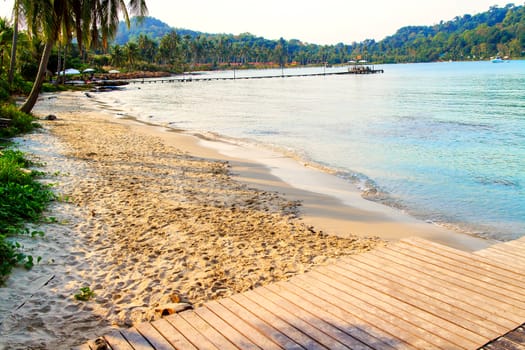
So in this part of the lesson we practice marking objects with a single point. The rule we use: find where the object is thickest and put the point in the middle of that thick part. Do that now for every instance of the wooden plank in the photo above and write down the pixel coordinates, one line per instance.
(117, 341)
(517, 243)
(246, 311)
(465, 278)
(510, 282)
(430, 323)
(136, 340)
(207, 330)
(199, 340)
(403, 319)
(311, 302)
(172, 335)
(470, 258)
(228, 331)
(501, 257)
(340, 310)
(448, 325)
(510, 249)
(405, 277)
(507, 249)
(344, 300)
(384, 284)
(412, 295)
(271, 319)
(238, 323)
(477, 298)
(298, 323)
(316, 321)
(153, 336)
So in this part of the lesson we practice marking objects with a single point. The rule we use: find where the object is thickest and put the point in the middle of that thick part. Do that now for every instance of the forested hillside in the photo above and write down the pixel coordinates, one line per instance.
(498, 31)
(150, 27)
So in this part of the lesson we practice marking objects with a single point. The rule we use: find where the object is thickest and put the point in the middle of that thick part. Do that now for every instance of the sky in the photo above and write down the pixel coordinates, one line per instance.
(318, 22)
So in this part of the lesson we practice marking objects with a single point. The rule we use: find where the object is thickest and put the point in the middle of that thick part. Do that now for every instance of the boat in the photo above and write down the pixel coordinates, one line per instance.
(498, 59)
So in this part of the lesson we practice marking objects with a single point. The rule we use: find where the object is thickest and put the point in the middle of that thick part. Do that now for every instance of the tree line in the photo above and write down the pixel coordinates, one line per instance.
(87, 33)
(151, 43)
(56, 23)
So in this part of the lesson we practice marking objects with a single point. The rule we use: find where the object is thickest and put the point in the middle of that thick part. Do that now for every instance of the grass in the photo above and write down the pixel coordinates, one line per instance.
(19, 122)
(22, 198)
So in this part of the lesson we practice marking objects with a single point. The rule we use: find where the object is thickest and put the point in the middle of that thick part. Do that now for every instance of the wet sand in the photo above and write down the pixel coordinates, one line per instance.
(149, 227)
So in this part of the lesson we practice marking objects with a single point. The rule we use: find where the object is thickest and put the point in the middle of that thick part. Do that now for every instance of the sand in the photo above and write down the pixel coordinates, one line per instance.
(149, 228)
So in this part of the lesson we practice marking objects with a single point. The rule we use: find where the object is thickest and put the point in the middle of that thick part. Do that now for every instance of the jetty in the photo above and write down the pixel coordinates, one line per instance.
(412, 294)
(355, 70)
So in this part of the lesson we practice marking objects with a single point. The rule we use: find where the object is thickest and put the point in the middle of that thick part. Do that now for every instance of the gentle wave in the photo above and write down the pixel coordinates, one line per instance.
(445, 142)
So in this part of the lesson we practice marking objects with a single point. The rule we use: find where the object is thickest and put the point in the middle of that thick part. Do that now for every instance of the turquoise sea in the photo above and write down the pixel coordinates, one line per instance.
(442, 141)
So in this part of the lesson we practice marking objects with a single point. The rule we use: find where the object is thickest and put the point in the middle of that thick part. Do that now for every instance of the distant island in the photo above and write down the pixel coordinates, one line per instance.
(498, 31)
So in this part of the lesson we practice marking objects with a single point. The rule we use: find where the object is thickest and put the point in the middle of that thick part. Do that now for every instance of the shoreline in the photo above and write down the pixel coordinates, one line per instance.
(328, 203)
(155, 220)
(147, 226)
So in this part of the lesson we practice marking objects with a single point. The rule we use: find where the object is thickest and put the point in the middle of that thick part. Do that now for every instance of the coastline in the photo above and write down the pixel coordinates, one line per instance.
(149, 225)
(328, 203)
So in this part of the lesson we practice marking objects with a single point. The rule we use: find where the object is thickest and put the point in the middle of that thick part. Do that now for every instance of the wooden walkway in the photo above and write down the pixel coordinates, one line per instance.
(190, 78)
(413, 294)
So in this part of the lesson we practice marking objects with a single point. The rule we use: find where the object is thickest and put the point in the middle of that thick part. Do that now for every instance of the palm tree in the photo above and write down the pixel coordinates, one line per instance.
(90, 20)
(12, 62)
(132, 53)
(5, 38)
(117, 56)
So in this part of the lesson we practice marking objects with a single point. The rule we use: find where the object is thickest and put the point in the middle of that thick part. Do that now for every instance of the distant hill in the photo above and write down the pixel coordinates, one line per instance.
(498, 31)
(153, 28)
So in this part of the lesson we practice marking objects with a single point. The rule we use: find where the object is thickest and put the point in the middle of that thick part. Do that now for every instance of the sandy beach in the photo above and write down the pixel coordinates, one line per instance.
(149, 227)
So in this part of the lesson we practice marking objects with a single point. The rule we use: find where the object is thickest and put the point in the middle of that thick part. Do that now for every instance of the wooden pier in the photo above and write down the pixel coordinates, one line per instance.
(413, 294)
(190, 78)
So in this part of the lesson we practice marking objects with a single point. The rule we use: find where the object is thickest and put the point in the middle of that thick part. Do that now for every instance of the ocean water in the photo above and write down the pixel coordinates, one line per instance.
(442, 141)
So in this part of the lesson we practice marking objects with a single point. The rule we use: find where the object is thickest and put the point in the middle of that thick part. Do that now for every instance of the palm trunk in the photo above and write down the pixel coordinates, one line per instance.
(12, 63)
(59, 66)
(37, 86)
(64, 64)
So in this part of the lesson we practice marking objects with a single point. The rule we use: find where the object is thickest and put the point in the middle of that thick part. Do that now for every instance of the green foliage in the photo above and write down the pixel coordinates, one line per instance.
(497, 31)
(11, 164)
(20, 203)
(147, 26)
(4, 90)
(22, 199)
(470, 37)
(20, 85)
(84, 294)
(19, 122)
(10, 256)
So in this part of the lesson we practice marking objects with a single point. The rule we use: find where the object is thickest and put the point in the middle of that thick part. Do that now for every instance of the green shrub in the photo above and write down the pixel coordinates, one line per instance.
(21, 203)
(10, 256)
(4, 91)
(21, 86)
(22, 199)
(12, 168)
(20, 122)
